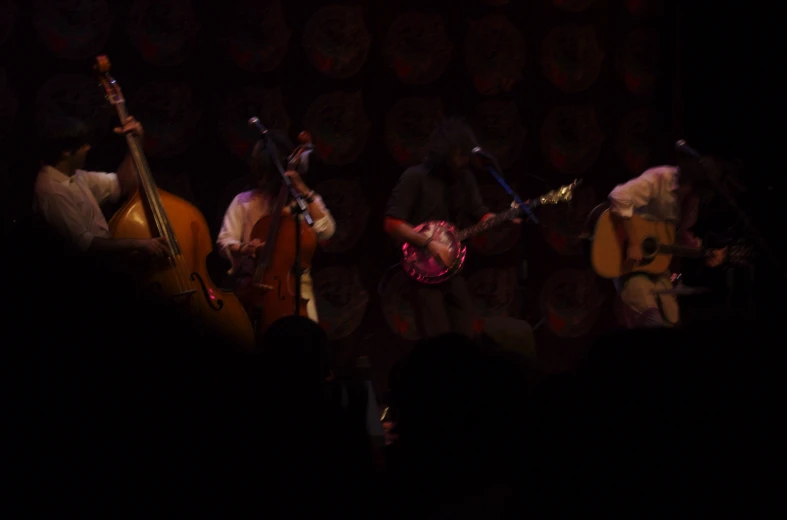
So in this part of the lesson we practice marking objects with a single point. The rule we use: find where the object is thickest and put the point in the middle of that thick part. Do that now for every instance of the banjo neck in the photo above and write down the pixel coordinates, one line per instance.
(489, 223)
(562, 194)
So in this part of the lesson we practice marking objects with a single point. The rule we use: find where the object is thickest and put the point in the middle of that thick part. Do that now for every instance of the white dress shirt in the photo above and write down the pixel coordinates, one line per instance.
(72, 205)
(243, 213)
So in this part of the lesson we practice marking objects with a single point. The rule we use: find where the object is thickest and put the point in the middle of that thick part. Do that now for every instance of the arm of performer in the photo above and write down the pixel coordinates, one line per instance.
(624, 199)
(230, 237)
(62, 213)
(128, 179)
(397, 215)
(476, 207)
(324, 223)
(127, 171)
(686, 236)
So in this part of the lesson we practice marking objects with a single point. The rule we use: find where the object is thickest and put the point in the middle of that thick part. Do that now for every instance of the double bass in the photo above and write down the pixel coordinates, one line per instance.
(270, 292)
(151, 212)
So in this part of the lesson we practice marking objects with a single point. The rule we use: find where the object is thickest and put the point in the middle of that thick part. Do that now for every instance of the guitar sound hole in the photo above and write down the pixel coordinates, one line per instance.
(649, 247)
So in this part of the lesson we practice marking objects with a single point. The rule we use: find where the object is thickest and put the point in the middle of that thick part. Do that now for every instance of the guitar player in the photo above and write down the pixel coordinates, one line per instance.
(442, 187)
(667, 194)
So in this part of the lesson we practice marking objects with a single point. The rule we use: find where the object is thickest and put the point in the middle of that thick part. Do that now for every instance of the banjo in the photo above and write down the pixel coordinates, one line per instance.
(422, 267)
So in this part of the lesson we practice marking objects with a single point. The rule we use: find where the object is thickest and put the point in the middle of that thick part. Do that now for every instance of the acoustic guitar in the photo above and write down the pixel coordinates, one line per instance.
(610, 242)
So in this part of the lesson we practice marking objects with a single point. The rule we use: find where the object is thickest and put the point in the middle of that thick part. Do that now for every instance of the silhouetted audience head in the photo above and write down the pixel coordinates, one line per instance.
(294, 353)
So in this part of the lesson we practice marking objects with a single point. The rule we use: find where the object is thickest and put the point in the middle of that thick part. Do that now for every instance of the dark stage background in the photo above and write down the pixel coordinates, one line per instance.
(558, 90)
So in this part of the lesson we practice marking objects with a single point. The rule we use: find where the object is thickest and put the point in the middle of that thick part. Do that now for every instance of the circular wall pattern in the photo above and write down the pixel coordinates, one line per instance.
(346, 202)
(571, 57)
(164, 32)
(634, 140)
(638, 61)
(499, 129)
(397, 309)
(77, 96)
(571, 302)
(493, 291)
(339, 125)
(341, 300)
(72, 29)
(571, 138)
(494, 54)
(169, 114)
(336, 40)
(254, 35)
(408, 125)
(417, 48)
(242, 104)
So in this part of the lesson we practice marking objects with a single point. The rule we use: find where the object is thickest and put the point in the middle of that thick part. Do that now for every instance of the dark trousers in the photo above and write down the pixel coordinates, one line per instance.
(443, 308)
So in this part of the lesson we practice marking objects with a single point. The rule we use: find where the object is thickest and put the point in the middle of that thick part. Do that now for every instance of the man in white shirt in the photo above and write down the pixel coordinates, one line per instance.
(69, 199)
(247, 208)
(665, 193)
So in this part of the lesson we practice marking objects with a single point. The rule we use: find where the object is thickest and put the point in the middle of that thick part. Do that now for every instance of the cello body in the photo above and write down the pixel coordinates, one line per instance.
(185, 280)
(273, 295)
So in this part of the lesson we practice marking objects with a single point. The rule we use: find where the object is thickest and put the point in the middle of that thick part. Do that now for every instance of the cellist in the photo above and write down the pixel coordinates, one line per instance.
(248, 207)
(68, 198)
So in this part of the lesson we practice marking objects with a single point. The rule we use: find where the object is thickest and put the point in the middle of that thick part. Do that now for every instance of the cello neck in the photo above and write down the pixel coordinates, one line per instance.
(295, 161)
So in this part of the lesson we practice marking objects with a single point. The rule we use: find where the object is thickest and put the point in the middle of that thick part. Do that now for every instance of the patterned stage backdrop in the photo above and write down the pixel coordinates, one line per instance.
(557, 89)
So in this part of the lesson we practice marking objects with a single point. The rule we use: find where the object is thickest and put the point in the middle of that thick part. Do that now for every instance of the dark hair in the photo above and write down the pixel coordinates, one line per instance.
(262, 164)
(63, 135)
(451, 135)
(692, 172)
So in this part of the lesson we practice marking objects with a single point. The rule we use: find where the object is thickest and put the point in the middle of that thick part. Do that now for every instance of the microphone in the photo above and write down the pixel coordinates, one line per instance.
(682, 147)
(255, 121)
(481, 153)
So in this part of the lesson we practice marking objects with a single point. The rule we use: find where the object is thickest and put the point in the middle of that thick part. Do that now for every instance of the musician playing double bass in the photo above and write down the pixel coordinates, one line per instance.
(443, 187)
(235, 240)
(69, 199)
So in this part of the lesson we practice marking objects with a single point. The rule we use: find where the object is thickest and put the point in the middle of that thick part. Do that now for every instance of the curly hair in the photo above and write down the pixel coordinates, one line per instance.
(451, 135)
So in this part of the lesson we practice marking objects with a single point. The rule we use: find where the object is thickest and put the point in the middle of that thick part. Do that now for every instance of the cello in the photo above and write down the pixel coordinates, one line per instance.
(270, 292)
(150, 212)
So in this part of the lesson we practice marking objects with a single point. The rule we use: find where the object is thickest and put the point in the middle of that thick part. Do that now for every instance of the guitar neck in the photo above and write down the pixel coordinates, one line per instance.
(490, 223)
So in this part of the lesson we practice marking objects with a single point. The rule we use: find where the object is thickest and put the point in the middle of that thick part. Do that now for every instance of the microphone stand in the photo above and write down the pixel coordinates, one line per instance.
(492, 168)
(300, 209)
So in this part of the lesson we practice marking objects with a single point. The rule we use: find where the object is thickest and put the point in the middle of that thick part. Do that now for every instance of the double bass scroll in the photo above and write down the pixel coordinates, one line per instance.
(151, 212)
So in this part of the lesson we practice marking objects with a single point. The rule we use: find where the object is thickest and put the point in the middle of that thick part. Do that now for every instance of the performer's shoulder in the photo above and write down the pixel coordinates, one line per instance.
(662, 171)
(245, 197)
